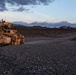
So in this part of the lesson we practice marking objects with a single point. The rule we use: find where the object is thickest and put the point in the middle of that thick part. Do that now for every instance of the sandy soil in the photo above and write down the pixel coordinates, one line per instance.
(39, 56)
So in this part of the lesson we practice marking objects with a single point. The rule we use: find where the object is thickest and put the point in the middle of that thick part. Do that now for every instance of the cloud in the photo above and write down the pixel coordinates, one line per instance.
(22, 3)
(2, 5)
(20, 9)
(29, 2)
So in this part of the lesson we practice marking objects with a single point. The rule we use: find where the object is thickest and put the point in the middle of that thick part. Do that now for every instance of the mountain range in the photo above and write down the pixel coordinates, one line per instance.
(46, 24)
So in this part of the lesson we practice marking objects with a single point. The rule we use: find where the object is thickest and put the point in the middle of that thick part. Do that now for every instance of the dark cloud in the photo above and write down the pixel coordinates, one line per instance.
(21, 9)
(2, 5)
(22, 3)
(29, 2)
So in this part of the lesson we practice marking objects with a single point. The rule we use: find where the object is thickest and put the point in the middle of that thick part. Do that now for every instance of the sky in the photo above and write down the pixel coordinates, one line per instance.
(38, 10)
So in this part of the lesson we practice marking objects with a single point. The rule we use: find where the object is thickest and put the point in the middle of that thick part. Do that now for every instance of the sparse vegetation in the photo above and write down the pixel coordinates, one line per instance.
(44, 32)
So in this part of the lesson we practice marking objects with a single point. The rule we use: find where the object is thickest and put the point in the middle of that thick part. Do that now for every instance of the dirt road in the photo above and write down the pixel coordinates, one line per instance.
(39, 56)
(45, 40)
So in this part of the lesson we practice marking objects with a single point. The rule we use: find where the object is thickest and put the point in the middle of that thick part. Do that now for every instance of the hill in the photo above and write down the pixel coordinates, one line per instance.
(46, 24)
(37, 31)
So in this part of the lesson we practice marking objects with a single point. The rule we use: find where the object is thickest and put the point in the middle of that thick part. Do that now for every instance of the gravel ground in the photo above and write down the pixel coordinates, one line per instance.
(53, 58)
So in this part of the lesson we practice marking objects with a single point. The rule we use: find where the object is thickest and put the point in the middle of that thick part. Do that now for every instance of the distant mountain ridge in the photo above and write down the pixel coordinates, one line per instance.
(19, 23)
(46, 24)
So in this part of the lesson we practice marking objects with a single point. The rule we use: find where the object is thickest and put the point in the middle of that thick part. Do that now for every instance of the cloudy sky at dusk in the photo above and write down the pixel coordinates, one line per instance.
(38, 10)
